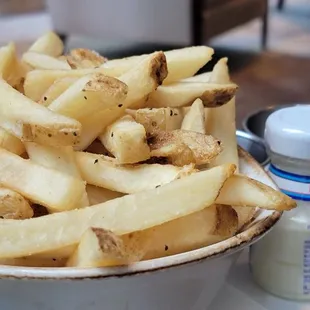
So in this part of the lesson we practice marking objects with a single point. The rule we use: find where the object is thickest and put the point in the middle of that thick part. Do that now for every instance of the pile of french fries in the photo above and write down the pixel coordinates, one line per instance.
(109, 162)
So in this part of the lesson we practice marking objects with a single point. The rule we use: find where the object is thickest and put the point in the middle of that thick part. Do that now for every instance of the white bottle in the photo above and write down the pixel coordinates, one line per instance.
(280, 262)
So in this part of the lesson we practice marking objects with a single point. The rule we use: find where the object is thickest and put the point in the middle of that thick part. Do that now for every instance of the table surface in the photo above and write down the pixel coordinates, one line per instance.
(241, 293)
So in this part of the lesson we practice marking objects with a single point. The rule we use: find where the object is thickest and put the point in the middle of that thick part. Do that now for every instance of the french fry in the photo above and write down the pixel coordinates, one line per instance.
(194, 119)
(242, 191)
(183, 147)
(102, 248)
(29, 121)
(49, 44)
(126, 140)
(81, 58)
(37, 82)
(14, 205)
(96, 170)
(33, 261)
(202, 77)
(165, 119)
(41, 61)
(56, 89)
(10, 68)
(194, 231)
(182, 63)
(180, 94)
(50, 188)
(88, 95)
(11, 143)
(122, 216)
(98, 195)
(61, 159)
(221, 121)
(141, 80)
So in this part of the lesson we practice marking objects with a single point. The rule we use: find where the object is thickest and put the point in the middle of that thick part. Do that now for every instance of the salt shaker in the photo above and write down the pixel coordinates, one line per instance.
(280, 262)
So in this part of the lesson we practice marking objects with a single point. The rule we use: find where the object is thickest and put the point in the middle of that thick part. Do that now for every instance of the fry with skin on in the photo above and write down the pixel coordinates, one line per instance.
(122, 216)
(194, 119)
(48, 44)
(182, 63)
(48, 187)
(88, 95)
(80, 58)
(101, 171)
(190, 232)
(242, 191)
(180, 94)
(13, 205)
(98, 194)
(141, 80)
(222, 125)
(37, 82)
(183, 147)
(126, 140)
(61, 159)
(41, 61)
(10, 67)
(165, 119)
(102, 248)
(32, 122)
(11, 143)
(56, 89)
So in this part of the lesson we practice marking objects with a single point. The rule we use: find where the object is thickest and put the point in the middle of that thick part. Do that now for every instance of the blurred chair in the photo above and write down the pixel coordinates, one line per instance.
(213, 17)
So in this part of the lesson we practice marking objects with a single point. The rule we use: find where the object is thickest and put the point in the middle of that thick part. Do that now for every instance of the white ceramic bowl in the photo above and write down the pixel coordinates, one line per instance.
(180, 282)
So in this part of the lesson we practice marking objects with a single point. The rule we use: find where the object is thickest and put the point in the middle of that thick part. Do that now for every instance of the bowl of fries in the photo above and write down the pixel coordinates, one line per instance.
(121, 183)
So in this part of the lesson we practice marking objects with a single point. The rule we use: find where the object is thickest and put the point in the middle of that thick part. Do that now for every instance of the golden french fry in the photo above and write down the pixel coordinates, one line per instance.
(30, 121)
(122, 216)
(10, 67)
(80, 58)
(49, 44)
(153, 119)
(56, 89)
(50, 188)
(33, 261)
(88, 95)
(221, 121)
(240, 190)
(182, 63)
(13, 205)
(61, 159)
(227, 221)
(141, 80)
(37, 82)
(183, 147)
(245, 215)
(41, 61)
(194, 119)
(193, 231)
(101, 248)
(126, 140)
(202, 77)
(98, 195)
(97, 170)
(180, 94)
(11, 143)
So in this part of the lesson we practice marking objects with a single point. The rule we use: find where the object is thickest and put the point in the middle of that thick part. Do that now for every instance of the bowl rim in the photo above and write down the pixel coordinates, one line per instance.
(220, 249)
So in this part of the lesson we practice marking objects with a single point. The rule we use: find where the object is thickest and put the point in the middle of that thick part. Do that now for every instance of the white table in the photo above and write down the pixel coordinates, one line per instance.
(241, 293)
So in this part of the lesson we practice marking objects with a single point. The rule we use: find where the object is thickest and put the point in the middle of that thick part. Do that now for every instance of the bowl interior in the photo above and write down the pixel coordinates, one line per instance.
(264, 220)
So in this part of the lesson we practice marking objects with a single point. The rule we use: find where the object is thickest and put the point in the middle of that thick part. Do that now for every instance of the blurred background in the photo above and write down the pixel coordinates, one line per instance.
(267, 42)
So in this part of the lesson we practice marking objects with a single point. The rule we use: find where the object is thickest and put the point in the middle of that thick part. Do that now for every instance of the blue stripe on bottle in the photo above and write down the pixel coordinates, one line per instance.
(296, 196)
(289, 176)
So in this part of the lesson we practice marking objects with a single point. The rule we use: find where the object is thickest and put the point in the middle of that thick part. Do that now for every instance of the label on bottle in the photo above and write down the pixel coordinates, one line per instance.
(291, 184)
